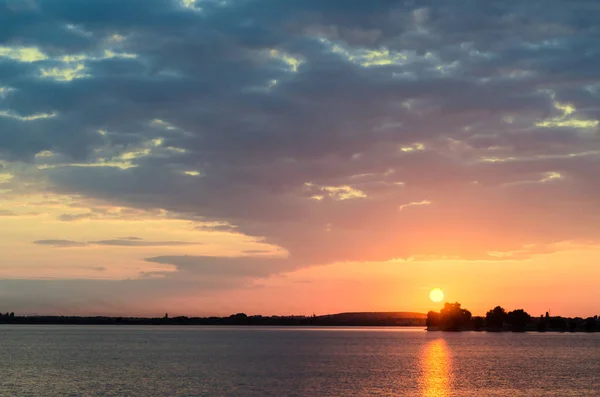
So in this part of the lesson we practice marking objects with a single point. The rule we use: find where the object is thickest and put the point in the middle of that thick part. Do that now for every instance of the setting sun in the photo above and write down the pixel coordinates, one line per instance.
(436, 295)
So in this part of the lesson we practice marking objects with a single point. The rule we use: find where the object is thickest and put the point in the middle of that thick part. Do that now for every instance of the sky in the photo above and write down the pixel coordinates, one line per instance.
(211, 157)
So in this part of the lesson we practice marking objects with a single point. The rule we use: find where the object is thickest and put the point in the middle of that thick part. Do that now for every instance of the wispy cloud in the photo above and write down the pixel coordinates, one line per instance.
(126, 242)
(60, 243)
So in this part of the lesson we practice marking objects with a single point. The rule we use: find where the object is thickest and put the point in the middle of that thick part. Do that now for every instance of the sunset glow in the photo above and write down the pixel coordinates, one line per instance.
(436, 370)
(436, 295)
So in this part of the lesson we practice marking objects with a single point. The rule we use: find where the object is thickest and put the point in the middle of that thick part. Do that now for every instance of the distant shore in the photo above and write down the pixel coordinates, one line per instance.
(365, 319)
(452, 318)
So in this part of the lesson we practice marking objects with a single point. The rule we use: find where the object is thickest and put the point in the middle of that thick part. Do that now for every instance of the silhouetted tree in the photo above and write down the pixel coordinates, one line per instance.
(478, 323)
(12, 315)
(433, 319)
(518, 320)
(453, 317)
(495, 318)
(239, 318)
(542, 324)
(558, 324)
(590, 325)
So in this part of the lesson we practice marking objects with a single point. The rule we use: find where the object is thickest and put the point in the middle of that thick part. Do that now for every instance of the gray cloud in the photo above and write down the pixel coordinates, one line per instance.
(142, 243)
(75, 217)
(60, 243)
(226, 267)
(250, 252)
(125, 242)
(451, 81)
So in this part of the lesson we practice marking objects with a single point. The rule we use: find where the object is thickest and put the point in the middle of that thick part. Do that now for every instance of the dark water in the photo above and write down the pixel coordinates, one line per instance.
(171, 361)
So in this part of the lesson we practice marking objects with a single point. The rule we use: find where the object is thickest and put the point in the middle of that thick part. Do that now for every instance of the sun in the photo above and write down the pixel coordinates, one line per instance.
(436, 295)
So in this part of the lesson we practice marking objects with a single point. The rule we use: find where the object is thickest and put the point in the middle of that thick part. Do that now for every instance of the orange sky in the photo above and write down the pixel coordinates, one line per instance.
(563, 281)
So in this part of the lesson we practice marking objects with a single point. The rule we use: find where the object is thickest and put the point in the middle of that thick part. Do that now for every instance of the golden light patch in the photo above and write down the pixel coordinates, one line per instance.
(550, 176)
(5, 177)
(134, 154)
(65, 73)
(291, 61)
(108, 54)
(563, 121)
(188, 3)
(176, 149)
(344, 192)
(368, 58)
(31, 117)
(74, 58)
(164, 124)
(415, 203)
(192, 173)
(44, 153)
(413, 148)
(122, 161)
(23, 54)
(99, 163)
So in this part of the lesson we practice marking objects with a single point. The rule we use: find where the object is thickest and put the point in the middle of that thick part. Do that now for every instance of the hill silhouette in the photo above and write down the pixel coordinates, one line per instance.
(375, 318)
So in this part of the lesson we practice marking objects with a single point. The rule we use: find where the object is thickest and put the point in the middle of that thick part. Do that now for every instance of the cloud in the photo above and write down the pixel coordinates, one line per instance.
(75, 217)
(414, 203)
(251, 252)
(125, 242)
(141, 243)
(60, 243)
(224, 267)
(309, 124)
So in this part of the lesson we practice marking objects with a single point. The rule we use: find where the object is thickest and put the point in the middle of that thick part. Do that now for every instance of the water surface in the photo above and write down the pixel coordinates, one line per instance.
(232, 361)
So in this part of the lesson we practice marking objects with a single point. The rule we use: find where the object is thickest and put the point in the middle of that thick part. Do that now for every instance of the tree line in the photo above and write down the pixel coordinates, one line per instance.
(341, 319)
(455, 318)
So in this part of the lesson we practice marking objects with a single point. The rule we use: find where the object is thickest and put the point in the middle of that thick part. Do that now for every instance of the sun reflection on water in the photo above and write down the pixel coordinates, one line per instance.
(436, 369)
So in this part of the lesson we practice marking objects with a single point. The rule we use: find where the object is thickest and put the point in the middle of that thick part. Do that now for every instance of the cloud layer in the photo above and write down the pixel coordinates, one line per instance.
(337, 131)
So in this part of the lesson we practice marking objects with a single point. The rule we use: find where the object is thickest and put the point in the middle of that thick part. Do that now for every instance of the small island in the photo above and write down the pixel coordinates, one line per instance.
(454, 318)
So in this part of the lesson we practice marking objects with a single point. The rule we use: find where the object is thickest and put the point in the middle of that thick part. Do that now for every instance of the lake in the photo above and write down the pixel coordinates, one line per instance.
(238, 361)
